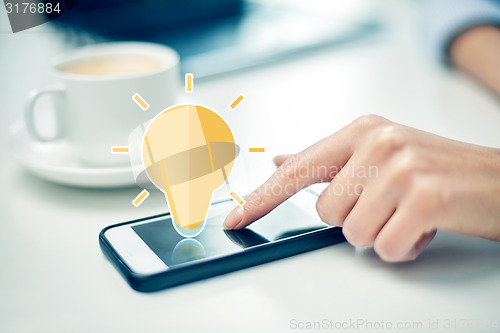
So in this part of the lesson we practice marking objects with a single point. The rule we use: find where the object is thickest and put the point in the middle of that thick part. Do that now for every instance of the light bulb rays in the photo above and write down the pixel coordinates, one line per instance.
(189, 143)
(140, 101)
(237, 101)
(238, 200)
(187, 152)
(140, 198)
(120, 150)
(188, 82)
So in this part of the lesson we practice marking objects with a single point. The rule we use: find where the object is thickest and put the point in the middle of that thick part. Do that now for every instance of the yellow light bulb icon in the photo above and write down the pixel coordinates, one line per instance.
(188, 151)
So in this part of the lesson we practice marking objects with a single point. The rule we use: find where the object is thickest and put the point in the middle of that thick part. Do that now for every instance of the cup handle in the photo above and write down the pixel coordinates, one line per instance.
(29, 110)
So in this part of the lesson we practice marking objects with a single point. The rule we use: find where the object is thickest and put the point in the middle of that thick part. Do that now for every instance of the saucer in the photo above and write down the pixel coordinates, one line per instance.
(55, 161)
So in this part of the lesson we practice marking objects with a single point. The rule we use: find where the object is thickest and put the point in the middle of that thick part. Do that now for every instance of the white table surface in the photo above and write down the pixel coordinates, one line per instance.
(54, 278)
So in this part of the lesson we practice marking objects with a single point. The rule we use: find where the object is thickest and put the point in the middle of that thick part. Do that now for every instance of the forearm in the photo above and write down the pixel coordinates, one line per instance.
(477, 53)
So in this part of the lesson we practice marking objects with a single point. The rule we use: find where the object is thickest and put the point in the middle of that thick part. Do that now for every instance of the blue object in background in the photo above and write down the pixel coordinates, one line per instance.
(444, 20)
(220, 36)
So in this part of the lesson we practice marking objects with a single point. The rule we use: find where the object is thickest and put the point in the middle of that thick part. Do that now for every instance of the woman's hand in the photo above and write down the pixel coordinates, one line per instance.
(391, 187)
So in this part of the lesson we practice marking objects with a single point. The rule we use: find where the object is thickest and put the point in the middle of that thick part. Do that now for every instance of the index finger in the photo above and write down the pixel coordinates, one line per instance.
(318, 163)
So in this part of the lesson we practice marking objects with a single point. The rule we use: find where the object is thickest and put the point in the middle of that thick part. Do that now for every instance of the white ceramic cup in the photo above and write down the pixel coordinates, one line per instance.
(96, 112)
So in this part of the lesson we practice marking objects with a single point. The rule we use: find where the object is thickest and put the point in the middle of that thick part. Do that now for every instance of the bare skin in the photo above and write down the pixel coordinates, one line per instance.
(423, 183)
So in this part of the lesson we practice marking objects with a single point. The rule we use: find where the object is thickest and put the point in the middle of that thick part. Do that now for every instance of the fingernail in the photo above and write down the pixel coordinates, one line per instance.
(234, 218)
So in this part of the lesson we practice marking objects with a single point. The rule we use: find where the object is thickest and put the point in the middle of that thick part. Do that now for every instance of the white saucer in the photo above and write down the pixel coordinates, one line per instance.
(54, 161)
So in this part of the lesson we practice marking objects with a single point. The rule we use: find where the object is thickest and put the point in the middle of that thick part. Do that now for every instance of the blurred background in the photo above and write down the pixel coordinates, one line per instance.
(342, 58)
(218, 36)
(306, 68)
(216, 40)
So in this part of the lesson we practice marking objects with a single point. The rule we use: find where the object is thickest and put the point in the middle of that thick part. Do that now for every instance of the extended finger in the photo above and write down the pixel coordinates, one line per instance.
(318, 163)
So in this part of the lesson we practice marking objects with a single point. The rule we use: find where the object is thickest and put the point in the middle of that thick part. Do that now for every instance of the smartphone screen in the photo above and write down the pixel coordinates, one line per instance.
(139, 242)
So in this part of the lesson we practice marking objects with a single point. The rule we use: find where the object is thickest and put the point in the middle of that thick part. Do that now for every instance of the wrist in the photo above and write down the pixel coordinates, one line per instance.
(476, 52)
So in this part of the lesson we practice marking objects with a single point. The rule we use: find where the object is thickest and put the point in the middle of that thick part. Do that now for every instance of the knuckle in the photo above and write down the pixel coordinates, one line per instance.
(368, 121)
(325, 213)
(289, 170)
(405, 168)
(428, 198)
(385, 251)
(423, 187)
(389, 139)
(356, 236)
(253, 201)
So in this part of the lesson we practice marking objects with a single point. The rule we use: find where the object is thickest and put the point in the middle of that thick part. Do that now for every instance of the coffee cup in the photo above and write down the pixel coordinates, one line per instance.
(101, 93)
